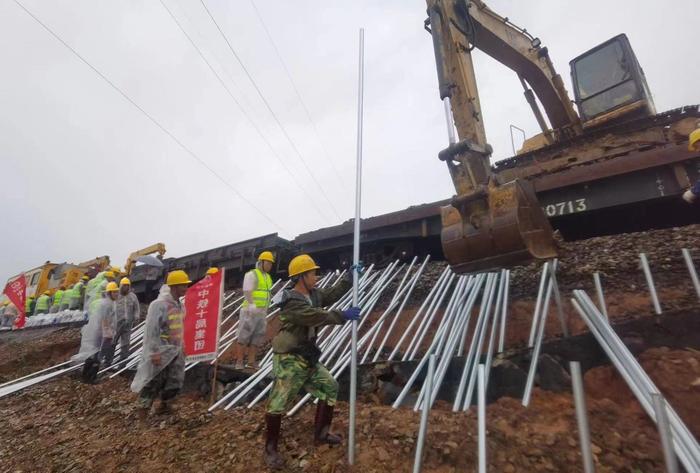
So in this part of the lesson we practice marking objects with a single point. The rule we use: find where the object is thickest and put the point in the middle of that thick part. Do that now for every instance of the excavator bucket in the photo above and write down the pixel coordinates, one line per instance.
(500, 228)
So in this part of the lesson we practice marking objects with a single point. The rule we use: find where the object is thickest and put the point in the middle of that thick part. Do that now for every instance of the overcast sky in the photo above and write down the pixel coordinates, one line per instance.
(84, 173)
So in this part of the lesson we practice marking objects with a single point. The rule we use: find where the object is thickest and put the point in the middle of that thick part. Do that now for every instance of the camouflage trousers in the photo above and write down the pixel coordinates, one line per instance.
(165, 385)
(292, 372)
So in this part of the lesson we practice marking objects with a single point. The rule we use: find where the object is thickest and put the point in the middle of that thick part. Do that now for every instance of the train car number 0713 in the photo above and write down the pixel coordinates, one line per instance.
(566, 207)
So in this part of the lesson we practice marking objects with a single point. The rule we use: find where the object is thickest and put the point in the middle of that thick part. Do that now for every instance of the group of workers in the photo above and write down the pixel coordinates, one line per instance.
(161, 370)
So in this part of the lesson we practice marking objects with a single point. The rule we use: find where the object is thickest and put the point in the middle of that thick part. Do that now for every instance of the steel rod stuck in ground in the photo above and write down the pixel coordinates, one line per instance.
(584, 434)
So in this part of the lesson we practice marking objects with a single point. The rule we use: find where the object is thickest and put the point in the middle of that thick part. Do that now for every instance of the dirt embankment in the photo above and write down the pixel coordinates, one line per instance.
(77, 427)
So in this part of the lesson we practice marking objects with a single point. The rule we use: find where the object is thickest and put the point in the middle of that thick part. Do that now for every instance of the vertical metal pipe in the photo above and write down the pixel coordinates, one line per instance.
(451, 136)
(584, 433)
(538, 304)
(557, 298)
(504, 314)
(482, 418)
(418, 460)
(601, 297)
(356, 250)
(691, 269)
(538, 346)
(664, 432)
(650, 283)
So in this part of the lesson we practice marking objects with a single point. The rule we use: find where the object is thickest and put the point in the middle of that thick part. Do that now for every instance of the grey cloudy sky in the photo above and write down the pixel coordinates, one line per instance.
(84, 173)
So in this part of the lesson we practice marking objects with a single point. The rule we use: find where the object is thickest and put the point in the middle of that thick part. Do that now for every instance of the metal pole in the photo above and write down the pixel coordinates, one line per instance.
(482, 418)
(691, 269)
(502, 335)
(665, 432)
(356, 250)
(424, 417)
(650, 283)
(601, 297)
(642, 386)
(451, 136)
(538, 304)
(584, 433)
(557, 298)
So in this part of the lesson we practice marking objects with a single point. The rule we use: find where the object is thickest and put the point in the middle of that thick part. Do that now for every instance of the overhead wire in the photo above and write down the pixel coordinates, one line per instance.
(247, 116)
(269, 108)
(151, 118)
(329, 158)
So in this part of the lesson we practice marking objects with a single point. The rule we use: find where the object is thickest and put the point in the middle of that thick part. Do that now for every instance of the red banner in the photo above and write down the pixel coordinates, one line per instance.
(203, 306)
(16, 291)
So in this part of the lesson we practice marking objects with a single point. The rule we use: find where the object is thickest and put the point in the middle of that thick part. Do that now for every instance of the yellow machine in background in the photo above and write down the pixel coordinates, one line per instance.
(51, 276)
(131, 260)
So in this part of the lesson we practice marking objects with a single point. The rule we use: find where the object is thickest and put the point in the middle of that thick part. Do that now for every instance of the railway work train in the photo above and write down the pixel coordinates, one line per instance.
(584, 206)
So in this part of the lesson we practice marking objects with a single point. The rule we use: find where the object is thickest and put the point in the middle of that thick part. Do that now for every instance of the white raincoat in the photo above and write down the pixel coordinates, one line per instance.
(91, 333)
(163, 334)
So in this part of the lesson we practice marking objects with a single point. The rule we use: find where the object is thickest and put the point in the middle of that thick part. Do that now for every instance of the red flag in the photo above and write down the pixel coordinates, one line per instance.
(16, 291)
(203, 306)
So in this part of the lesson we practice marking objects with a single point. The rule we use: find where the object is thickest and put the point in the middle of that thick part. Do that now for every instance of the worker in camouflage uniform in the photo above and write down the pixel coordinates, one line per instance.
(295, 361)
(161, 371)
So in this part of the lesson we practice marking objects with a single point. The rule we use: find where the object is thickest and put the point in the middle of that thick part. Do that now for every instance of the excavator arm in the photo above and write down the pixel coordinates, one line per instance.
(131, 260)
(491, 224)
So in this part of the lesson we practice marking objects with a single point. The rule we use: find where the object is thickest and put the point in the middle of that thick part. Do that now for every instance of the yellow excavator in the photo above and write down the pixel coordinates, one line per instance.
(149, 250)
(495, 220)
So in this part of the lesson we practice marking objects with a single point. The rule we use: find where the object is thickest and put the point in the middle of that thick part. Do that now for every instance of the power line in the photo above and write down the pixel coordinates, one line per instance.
(269, 108)
(151, 118)
(250, 120)
(298, 94)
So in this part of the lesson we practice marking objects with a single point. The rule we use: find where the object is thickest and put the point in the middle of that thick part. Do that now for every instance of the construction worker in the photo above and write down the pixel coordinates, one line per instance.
(65, 300)
(161, 371)
(43, 303)
(78, 295)
(252, 325)
(108, 322)
(693, 145)
(57, 298)
(29, 306)
(11, 313)
(96, 286)
(127, 312)
(3, 308)
(295, 362)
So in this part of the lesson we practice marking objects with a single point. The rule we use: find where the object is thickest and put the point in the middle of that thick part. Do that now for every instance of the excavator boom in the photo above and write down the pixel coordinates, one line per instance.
(491, 224)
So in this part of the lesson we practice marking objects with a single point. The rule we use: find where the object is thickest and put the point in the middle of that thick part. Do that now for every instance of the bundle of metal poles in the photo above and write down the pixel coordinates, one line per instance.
(684, 443)
(52, 372)
(334, 341)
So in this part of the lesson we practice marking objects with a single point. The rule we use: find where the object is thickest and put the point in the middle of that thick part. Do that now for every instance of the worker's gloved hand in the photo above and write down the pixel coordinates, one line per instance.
(353, 313)
(688, 196)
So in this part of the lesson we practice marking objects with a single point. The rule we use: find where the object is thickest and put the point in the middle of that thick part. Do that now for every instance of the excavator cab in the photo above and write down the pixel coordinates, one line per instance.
(609, 84)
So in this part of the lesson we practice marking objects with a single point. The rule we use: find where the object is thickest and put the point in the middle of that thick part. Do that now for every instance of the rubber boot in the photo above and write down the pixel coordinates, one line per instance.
(142, 413)
(272, 435)
(322, 425)
(164, 408)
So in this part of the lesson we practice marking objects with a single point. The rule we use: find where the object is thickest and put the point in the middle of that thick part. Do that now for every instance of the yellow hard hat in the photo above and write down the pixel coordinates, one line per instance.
(125, 281)
(301, 264)
(211, 271)
(115, 269)
(266, 256)
(109, 274)
(177, 277)
(46, 293)
(111, 287)
(693, 138)
(85, 278)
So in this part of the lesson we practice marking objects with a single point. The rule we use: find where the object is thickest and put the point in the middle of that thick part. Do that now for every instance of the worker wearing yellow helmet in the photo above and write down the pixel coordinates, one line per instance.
(43, 303)
(295, 363)
(105, 313)
(693, 145)
(161, 370)
(127, 311)
(212, 271)
(252, 324)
